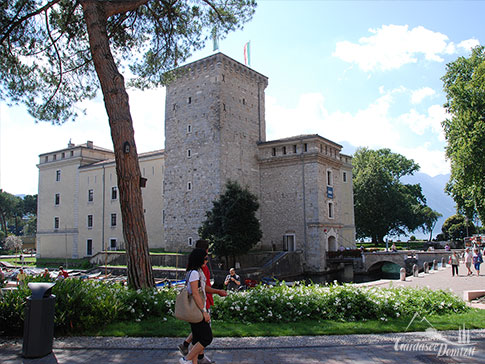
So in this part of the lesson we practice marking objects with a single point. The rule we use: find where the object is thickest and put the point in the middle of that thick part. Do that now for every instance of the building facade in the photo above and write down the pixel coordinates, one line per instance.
(215, 131)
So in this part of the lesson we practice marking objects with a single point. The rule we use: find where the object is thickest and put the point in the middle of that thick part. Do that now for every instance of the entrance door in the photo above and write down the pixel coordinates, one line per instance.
(289, 242)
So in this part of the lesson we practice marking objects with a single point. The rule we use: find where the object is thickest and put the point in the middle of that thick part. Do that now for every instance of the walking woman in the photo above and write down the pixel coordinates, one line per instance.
(201, 331)
(455, 262)
(477, 260)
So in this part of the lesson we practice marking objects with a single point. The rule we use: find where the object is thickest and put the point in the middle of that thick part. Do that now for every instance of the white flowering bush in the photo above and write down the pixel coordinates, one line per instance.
(332, 302)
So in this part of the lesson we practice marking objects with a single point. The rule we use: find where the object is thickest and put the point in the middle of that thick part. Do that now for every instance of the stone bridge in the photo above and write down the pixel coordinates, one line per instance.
(372, 261)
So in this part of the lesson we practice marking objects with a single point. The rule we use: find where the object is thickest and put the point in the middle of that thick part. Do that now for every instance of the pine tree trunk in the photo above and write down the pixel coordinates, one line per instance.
(140, 272)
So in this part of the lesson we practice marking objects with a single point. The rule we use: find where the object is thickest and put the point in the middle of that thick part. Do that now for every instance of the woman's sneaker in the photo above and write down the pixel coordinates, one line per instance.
(184, 350)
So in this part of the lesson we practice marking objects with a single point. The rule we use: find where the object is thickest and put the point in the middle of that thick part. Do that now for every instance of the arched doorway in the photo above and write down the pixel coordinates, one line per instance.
(332, 244)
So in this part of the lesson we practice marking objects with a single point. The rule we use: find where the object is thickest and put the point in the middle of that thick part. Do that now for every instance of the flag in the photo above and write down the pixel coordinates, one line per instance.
(247, 54)
(215, 40)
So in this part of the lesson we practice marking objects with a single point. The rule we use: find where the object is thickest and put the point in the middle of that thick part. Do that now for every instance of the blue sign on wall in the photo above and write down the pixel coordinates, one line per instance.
(329, 192)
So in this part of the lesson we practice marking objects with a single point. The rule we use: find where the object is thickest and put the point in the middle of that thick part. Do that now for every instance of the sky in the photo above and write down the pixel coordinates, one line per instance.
(360, 73)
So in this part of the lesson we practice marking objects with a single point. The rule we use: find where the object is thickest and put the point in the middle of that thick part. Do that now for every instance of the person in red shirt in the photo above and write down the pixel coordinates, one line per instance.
(62, 273)
(184, 347)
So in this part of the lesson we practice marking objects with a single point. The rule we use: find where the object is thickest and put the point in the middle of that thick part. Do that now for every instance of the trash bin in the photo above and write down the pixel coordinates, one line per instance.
(39, 321)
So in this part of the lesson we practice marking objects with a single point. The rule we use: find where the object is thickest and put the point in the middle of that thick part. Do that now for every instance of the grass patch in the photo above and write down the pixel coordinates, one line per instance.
(155, 327)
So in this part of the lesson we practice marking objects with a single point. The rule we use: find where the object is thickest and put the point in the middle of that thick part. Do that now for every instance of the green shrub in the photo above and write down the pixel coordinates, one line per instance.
(332, 302)
(85, 305)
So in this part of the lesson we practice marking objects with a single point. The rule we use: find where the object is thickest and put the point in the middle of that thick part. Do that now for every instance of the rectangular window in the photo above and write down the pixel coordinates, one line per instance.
(72, 153)
(90, 195)
(189, 128)
(273, 152)
(189, 153)
(112, 244)
(58, 175)
(189, 100)
(189, 186)
(344, 177)
(330, 210)
(90, 221)
(46, 158)
(163, 216)
(294, 148)
(284, 150)
(113, 219)
(58, 199)
(114, 193)
(289, 242)
(190, 241)
(89, 247)
(63, 155)
(305, 147)
(54, 157)
(56, 223)
(329, 178)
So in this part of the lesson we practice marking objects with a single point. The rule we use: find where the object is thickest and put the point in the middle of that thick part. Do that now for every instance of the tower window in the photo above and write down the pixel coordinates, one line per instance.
(305, 147)
(273, 152)
(114, 193)
(189, 186)
(189, 100)
(58, 175)
(46, 158)
(56, 222)
(189, 128)
(189, 153)
(330, 210)
(329, 178)
(90, 221)
(344, 176)
(57, 199)
(294, 148)
(90, 195)
(284, 150)
(63, 155)
(113, 220)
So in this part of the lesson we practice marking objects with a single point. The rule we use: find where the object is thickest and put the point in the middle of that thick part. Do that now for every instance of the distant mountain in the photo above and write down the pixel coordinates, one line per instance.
(436, 198)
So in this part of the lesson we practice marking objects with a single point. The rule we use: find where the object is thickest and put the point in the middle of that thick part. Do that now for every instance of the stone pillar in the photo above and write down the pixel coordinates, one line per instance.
(415, 270)
(403, 274)
(443, 262)
(435, 264)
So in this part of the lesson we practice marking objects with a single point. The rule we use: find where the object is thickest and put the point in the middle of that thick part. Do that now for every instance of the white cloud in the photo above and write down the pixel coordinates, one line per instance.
(418, 95)
(373, 126)
(421, 123)
(392, 46)
(22, 140)
(469, 44)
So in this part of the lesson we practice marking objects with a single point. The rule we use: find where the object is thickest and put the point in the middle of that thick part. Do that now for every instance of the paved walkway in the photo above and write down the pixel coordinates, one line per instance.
(408, 348)
(443, 279)
(405, 348)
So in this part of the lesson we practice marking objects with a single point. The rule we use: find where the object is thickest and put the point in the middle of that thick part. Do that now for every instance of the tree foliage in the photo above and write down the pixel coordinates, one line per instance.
(457, 227)
(384, 205)
(231, 226)
(464, 85)
(56, 53)
(15, 211)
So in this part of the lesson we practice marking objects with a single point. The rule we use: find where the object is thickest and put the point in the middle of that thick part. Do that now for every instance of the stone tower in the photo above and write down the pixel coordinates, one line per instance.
(214, 119)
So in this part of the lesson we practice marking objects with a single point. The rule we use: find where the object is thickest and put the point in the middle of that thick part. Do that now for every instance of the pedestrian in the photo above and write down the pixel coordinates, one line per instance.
(455, 262)
(201, 331)
(62, 273)
(468, 260)
(232, 281)
(21, 276)
(46, 273)
(477, 260)
(184, 347)
(2, 277)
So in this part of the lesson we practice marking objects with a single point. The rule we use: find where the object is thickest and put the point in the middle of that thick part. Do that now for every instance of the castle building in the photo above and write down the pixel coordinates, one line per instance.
(215, 131)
